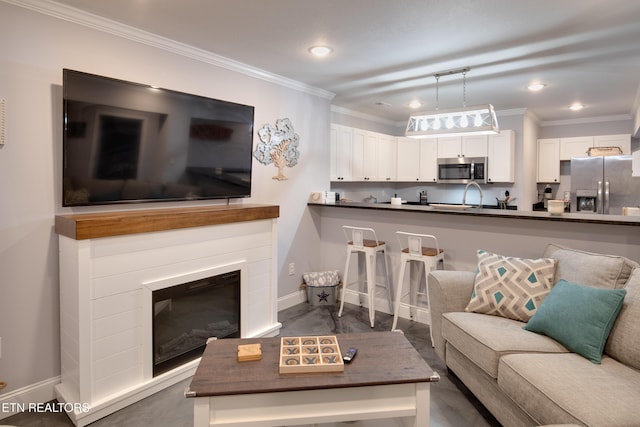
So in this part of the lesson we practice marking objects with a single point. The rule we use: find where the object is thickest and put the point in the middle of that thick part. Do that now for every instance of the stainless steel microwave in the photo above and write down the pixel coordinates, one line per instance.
(462, 170)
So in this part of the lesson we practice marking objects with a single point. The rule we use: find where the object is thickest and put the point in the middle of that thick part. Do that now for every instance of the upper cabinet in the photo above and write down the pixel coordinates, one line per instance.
(417, 160)
(360, 155)
(579, 146)
(548, 160)
(575, 147)
(341, 145)
(622, 141)
(408, 159)
(387, 158)
(501, 157)
(429, 160)
(462, 146)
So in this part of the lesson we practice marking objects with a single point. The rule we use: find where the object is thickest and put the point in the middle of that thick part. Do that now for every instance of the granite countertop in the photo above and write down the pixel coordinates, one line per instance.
(508, 213)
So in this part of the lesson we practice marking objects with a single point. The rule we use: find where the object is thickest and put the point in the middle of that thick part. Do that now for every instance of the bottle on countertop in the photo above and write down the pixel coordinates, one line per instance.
(423, 198)
(548, 195)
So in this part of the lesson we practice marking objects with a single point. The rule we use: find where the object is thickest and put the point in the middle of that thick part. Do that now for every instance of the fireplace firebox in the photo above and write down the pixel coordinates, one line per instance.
(187, 315)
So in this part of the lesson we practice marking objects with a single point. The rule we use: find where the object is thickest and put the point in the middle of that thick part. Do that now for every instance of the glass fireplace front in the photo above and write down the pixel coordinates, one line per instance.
(186, 315)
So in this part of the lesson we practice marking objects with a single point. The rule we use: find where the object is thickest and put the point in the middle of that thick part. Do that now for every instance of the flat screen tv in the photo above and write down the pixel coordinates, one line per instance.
(126, 142)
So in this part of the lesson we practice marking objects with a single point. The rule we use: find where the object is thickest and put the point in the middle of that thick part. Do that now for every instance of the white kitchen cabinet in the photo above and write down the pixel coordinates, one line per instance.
(579, 146)
(575, 147)
(387, 158)
(429, 160)
(417, 160)
(462, 146)
(622, 141)
(371, 156)
(408, 160)
(548, 160)
(474, 146)
(449, 146)
(341, 145)
(358, 153)
(501, 157)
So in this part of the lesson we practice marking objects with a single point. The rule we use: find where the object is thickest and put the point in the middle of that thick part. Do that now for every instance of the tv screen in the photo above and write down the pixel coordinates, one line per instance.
(129, 142)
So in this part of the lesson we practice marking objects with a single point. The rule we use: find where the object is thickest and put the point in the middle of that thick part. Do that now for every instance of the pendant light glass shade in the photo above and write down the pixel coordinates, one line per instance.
(473, 120)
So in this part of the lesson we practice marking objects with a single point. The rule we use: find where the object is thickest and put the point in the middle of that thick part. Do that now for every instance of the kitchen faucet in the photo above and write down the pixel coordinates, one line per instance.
(464, 195)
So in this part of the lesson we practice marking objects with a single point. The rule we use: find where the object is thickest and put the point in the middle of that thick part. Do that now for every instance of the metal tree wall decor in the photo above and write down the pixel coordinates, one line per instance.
(278, 145)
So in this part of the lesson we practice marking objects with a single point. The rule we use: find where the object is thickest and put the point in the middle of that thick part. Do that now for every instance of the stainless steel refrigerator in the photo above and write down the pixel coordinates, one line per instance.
(603, 184)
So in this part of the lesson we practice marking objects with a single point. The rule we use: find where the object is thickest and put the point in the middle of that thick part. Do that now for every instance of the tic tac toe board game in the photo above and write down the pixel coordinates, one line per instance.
(310, 354)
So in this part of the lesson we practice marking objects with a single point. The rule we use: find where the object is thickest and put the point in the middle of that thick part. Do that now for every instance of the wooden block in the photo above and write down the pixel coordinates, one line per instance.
(248, 352)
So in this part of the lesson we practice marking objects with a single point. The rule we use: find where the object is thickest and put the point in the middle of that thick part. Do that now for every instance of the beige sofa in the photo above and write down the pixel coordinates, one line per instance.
(526, 379)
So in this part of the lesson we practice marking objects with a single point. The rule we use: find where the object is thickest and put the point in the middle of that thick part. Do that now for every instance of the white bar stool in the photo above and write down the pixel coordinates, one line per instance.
(412, 249)
(365, 243)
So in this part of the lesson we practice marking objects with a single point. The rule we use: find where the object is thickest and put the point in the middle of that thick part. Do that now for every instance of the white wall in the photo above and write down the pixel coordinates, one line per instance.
(34, 48)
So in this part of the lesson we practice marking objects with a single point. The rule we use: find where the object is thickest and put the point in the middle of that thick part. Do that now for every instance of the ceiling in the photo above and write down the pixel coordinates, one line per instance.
(386, 51)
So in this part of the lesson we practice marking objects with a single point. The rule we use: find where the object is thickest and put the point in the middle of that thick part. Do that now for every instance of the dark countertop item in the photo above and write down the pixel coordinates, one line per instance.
(509, 213)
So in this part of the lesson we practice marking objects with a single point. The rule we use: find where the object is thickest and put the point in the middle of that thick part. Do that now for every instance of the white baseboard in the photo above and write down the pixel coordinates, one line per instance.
(18, 400)
(292, 299)
(382, 305)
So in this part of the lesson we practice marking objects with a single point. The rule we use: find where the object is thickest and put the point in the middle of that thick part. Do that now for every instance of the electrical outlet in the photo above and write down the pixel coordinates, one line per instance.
(292, 268)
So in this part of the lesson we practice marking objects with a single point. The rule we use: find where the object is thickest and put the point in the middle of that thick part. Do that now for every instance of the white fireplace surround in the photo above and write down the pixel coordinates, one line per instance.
(106, 305)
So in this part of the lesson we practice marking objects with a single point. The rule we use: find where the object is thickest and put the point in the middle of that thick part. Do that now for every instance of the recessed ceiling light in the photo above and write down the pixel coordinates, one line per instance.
(576, 106)
(535, 87)
(415, 104)
(320, 51)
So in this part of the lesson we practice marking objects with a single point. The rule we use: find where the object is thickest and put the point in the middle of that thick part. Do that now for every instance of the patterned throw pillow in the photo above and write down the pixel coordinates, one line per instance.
(511, 287)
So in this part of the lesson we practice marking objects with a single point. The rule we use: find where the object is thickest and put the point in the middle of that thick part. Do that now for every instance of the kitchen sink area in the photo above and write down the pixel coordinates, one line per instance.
(452, 206)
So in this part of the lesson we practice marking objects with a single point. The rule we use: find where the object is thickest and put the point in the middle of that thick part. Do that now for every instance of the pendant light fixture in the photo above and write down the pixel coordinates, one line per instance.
(473, 120)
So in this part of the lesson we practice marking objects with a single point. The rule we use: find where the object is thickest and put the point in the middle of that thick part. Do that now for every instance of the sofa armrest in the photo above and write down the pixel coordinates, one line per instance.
(448, 291)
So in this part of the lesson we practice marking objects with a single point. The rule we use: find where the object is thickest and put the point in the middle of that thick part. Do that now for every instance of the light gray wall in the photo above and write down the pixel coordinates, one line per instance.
(35, 49)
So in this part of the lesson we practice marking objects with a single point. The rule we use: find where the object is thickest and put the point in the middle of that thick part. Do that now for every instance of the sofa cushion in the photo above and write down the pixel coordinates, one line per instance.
(588, 268)
(510, 287)
(624, 340)
(484, 338)
(567, 388)
(579, 317)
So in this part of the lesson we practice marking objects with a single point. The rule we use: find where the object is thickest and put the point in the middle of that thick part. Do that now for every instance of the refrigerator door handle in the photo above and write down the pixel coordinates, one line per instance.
(606, 197)
(599, 199)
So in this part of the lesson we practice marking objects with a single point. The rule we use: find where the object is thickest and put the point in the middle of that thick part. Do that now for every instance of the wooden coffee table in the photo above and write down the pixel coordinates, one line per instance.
(387, 379)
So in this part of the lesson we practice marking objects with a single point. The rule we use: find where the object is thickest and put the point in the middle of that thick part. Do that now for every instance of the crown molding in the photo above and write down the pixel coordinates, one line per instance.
(98, 23)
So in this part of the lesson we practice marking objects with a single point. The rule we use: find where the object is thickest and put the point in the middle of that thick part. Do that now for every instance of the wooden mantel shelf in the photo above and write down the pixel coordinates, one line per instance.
(109, 224)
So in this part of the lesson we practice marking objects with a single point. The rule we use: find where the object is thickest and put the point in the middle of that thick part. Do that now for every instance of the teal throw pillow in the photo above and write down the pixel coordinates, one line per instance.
(578, 317)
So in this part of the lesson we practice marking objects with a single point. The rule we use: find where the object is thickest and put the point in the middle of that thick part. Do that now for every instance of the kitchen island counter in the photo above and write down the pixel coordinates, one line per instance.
(461, 233)
(498, 213)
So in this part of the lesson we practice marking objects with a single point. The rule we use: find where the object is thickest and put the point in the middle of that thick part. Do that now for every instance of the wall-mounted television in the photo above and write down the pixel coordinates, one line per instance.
(126, 142)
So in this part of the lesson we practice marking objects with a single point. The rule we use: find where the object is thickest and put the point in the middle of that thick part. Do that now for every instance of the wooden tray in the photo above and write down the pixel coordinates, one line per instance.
(310, 354)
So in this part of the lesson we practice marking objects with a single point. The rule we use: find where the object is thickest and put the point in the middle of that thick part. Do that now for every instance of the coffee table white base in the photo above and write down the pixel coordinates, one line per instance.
(316, 406)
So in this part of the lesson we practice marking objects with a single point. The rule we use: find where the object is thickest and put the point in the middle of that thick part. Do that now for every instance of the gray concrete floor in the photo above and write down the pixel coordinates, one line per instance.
(451, 404)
